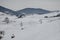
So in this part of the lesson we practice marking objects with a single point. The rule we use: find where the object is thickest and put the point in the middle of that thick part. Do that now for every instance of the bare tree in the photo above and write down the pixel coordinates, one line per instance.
(21, 25)
(40, 21)
(6, 20)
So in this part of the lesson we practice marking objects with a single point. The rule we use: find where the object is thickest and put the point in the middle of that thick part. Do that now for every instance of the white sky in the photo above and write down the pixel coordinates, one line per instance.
(20, 4)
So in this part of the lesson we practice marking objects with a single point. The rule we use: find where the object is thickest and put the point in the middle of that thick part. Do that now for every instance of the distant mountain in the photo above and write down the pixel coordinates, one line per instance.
(24, 11)
(56, 11)
(6, 10)
(33, 11)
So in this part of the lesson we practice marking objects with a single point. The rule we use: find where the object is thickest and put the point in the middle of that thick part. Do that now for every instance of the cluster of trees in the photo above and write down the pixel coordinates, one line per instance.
(58, 15)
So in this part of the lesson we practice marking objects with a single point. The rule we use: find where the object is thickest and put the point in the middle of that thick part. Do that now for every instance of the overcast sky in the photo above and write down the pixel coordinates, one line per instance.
(20, 4)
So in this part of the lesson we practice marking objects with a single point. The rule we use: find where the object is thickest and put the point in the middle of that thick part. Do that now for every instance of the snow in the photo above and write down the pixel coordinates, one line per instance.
(35, 27)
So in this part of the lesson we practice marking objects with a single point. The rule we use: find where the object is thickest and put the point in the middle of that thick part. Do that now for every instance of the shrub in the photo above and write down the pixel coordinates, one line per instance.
(45, 16)
(21, 16)
(2, 32)
(12, 36)
(1, 37)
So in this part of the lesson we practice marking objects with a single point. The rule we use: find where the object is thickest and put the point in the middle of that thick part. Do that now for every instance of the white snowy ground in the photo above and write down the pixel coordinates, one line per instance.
(36, 27)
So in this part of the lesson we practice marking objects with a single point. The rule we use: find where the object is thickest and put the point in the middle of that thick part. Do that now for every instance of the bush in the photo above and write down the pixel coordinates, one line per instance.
(21, 16)
(45, 16)
(12, 36)
(22, 28)
(1, 37)
(1, 32)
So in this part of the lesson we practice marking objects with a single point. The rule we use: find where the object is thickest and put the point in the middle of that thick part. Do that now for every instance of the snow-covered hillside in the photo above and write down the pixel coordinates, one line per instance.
(30, 27)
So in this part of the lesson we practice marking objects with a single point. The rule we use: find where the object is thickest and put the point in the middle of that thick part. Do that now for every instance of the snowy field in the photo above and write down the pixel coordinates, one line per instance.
(32, 27)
